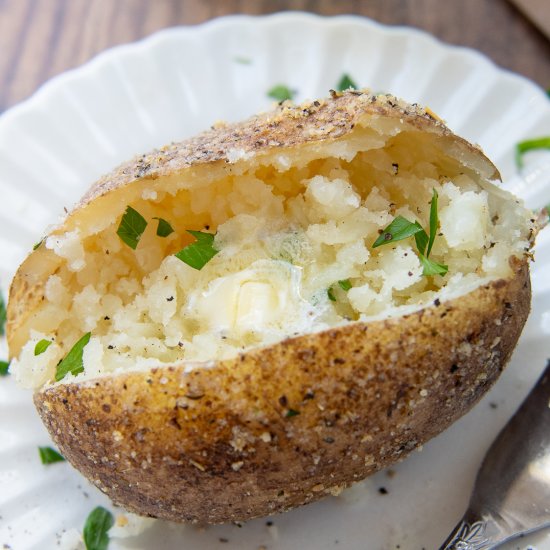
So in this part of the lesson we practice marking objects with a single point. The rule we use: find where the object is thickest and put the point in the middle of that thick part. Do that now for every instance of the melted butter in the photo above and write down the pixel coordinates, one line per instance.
(258, 304)
(264, 296)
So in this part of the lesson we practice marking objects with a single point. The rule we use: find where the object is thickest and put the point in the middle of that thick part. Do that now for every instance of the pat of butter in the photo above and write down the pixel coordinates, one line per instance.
(257, 303)
(264, 296)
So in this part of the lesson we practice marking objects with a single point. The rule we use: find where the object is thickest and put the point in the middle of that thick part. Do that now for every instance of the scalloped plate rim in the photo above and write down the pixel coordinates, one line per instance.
(53, 84)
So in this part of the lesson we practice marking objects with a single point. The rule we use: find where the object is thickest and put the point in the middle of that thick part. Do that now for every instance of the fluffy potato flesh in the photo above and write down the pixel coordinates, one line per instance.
(287, 233)
(299, 353)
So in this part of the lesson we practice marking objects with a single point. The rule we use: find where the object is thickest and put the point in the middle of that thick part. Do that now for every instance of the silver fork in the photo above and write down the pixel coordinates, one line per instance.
(511, 495)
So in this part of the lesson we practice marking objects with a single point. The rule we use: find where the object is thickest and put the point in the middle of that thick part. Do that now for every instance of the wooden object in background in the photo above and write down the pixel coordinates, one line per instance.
(538, 12)
(42, 38)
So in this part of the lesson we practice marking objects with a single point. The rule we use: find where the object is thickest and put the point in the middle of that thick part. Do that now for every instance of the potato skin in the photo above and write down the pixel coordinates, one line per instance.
(218, 444)
(289, 126)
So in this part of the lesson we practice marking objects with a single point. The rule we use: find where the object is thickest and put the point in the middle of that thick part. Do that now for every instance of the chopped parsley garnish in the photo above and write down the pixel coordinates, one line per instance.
(434, 222)
(345, 285)
(281, 92)
(4, 365)
(38, 244)
(42, 346)
(530, 145)
(401, 228)
(291, 412)
(49, 455)
(432, 268)
(131, 228)
(346, 83)
(199, 253)
(421, 238)
(164, 228)
(73, 362)
(242, 60)
(2, 316)
(96, 529)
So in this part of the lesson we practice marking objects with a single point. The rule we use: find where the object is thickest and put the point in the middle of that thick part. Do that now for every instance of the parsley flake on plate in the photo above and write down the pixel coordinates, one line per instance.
(242, 60)
(49, 455)
(530, 145)
(280, 92)
(4, 365)
(96, 529)
(346, 83)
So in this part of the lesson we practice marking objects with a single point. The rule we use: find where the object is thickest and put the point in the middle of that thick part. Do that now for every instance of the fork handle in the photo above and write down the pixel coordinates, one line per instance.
(472, 533)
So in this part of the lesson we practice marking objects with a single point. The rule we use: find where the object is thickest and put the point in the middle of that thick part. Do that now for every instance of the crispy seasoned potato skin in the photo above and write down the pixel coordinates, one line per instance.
(224, 442)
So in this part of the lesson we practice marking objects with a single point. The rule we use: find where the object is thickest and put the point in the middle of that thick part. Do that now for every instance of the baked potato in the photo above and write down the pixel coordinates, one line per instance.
(246, 321)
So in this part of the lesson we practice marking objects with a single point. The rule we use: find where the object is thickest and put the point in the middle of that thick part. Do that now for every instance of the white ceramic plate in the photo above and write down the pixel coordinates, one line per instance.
(174, 84)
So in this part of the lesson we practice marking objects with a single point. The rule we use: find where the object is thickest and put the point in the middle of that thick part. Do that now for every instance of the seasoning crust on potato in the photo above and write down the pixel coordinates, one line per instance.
(329, 286)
